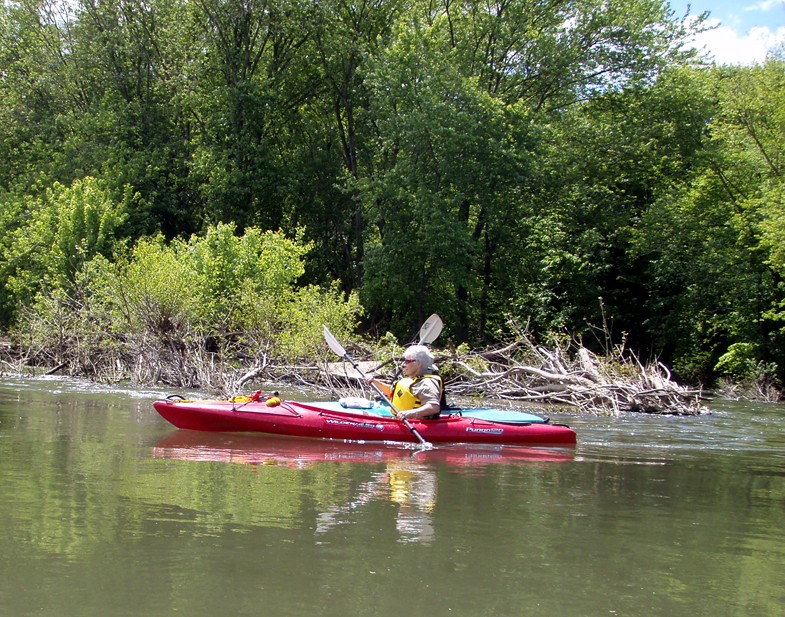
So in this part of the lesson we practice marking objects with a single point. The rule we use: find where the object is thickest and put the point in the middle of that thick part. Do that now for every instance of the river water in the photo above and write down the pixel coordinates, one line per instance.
(108, 510)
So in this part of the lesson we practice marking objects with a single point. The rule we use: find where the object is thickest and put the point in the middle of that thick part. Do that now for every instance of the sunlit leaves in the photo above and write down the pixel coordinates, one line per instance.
(551, 54)
(715, 242)
(217, 285)
(64, 230)
(449, 162)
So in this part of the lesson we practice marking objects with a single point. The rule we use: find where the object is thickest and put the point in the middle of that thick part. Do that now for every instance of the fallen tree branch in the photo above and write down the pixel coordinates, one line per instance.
(570, 375)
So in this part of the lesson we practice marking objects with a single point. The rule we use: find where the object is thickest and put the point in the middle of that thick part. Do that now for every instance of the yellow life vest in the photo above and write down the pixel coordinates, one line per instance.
(404, 399)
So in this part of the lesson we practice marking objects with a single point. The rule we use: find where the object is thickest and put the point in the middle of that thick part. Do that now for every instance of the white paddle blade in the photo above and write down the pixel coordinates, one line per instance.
(431, 329)
(333, 343)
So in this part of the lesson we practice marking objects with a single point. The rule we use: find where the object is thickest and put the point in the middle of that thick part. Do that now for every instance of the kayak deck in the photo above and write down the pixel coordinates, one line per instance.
(485, 413)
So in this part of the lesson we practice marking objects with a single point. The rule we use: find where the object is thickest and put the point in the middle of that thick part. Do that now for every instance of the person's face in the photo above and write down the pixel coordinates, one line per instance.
(411, 367)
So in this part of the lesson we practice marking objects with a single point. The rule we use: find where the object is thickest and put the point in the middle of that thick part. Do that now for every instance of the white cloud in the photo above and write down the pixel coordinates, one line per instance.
(764, 5)
(726, 46)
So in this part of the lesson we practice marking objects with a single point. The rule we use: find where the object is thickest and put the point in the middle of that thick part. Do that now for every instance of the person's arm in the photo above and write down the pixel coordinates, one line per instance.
(428, 409)
(429, 392)
(386, 389)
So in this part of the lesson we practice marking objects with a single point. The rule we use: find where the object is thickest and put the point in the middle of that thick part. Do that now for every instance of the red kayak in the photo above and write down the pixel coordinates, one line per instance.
(330, 420)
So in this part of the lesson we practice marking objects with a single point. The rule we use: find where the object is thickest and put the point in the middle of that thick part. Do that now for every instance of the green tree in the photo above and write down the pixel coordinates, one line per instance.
(249, 83)
(91, 92)
(450, 159)
(551, 54)
(602, 165)
(61, 232)
(462, 100)
(710, 240)
(334, 144)
(128, 66)
(35, 91)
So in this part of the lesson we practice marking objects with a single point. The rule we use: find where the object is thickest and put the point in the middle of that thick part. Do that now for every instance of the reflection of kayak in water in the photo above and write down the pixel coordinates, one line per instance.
(331, 420)
(274, 450)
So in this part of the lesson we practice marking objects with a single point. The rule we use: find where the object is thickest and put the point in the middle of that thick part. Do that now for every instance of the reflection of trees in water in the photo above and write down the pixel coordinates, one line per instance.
(410, 486)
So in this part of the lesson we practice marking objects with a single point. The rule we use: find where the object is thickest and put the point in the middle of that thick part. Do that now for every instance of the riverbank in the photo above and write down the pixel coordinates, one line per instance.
(521, 372)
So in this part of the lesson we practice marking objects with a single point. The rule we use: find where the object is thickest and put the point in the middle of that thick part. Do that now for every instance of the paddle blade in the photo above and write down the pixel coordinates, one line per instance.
(333, 343)
(431, 329)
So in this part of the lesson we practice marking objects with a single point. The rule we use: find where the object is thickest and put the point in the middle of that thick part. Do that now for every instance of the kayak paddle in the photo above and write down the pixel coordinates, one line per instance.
(336, 347)
(431, 329)
(429, 332)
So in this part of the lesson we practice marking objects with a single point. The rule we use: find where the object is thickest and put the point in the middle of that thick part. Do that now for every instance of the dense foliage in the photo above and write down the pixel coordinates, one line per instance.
(224, 166)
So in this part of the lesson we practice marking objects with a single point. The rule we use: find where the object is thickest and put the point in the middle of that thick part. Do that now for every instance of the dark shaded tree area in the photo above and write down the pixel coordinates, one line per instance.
(558, 164)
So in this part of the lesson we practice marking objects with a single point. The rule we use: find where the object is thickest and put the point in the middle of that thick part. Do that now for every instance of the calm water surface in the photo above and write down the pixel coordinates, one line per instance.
(108, 510)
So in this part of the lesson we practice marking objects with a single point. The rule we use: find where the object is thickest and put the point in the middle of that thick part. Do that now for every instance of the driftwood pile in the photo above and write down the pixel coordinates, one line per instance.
(573, 377)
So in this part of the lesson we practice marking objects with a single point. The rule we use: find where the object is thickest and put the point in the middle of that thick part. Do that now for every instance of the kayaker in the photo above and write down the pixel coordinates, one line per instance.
(420, 393)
